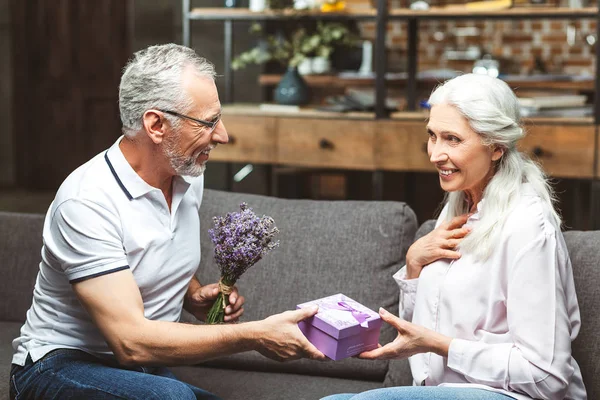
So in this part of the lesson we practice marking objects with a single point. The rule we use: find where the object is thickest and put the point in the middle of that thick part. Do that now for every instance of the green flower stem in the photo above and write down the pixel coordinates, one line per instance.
(216, 315)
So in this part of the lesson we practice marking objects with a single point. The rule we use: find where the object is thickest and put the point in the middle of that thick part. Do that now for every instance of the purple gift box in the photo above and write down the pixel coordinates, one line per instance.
(342, 328)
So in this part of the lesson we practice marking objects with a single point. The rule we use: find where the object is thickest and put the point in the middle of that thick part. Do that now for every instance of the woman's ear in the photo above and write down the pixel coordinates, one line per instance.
(497, 152)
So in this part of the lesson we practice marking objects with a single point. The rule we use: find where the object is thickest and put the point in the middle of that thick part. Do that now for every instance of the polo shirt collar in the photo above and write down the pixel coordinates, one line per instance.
(130, 182)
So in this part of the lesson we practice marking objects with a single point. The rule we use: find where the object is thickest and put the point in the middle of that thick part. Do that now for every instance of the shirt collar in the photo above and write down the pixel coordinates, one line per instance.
(526, 189)
(477, 214)
(130, 182)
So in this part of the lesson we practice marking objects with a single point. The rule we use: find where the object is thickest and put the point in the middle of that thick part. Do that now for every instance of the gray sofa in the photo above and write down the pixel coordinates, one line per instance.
(352, 247)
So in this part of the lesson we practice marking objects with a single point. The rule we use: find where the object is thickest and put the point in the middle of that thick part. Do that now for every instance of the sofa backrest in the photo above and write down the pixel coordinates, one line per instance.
(326, 247)
(20, 255)
(584, 250)
(585, 258)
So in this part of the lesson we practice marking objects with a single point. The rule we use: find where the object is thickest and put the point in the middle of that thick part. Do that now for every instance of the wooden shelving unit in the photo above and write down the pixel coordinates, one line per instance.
(566, 147)
(382, 15)
(243, 14)
(216, 14)
(459, 12)
(254, 110)
(341, 81)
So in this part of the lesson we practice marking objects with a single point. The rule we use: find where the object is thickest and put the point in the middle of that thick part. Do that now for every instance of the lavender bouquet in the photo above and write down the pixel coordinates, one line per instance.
(241, 239)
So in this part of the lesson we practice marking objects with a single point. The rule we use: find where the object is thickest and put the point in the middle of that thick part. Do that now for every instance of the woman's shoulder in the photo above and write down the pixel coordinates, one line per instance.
(530, 216)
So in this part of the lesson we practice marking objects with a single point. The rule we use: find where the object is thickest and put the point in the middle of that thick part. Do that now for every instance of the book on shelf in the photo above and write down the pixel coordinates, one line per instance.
(552, 102)
(563, 112)
(282, 108)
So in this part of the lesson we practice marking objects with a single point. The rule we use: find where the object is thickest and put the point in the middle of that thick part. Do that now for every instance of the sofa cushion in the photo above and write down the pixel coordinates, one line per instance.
(8, 331)
(20, 249)
(583, 250)
(425, 228)
(326, 247)
(234, 384)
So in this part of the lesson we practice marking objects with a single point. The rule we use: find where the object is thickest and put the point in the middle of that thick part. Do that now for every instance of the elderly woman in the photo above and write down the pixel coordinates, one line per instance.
(488, 303)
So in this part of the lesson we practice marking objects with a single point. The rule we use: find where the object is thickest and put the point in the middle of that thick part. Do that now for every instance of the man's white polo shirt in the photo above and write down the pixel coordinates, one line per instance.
(104, 219)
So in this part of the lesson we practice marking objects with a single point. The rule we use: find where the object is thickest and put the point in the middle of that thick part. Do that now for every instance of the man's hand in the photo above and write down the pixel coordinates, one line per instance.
(280, 337)
(412, 339)
(199, 299)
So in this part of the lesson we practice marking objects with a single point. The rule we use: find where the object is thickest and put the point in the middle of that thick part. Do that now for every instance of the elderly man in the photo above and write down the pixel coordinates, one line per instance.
(121, 246)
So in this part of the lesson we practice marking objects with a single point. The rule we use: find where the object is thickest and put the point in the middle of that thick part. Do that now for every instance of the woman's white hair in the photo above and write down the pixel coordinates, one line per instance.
(492, 110)
(153, 79)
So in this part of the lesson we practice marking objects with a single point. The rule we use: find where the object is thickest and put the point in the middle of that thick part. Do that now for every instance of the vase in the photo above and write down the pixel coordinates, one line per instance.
(292, 89)
(320, 65)
(305, 67)
(257, 5)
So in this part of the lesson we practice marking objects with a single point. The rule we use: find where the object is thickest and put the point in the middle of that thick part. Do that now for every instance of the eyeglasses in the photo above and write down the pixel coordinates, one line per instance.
(209, 124)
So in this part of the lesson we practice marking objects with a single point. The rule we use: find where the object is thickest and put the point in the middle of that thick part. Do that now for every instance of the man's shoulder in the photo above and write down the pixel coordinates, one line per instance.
(91, 181)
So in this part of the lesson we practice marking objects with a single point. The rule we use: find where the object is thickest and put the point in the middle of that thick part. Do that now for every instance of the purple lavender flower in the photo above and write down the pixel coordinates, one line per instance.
(241, 239)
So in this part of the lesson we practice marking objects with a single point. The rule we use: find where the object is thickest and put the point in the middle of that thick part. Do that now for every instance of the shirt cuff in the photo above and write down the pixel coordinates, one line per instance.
(456, 354)
(86, 272)
(406, 285)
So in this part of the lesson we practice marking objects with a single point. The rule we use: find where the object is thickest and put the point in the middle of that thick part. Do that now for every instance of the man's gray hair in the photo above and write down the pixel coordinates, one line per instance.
(153, 79)
(492, 110)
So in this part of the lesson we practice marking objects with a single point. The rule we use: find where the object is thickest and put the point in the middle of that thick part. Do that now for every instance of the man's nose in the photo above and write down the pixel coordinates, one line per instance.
(220, 133)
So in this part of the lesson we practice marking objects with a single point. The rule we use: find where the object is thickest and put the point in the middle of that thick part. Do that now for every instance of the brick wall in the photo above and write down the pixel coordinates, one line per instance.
(515, 43)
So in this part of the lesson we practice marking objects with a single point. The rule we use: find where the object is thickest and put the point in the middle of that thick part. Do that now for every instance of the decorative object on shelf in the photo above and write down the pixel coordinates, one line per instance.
(300, 45)
(305, 67)
(230, 3)
(333, 6)
(280, 4)
(320, 65)
(366, 65)
(419, 5)
(487, 66)
(292, 89)
(306, 4)
(257, 5)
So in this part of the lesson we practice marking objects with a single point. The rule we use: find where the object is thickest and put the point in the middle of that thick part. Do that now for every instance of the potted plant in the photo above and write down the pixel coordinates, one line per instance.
(290, 51)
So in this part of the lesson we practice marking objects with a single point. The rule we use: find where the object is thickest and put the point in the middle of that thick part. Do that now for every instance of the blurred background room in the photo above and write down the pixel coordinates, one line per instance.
(322, 99)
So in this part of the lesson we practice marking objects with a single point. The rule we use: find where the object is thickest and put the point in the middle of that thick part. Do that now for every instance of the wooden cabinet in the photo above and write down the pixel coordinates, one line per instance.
(565, 148)
(402, 146)
(562, 150)
(251, 139)
(346, 144)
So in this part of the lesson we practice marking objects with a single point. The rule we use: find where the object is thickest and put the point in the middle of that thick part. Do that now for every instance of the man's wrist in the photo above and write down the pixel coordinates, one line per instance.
(251, 334)
(192, 288)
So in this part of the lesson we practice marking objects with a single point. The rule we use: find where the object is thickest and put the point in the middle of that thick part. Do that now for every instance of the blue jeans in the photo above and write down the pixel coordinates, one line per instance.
(74, 374)
(422, 393)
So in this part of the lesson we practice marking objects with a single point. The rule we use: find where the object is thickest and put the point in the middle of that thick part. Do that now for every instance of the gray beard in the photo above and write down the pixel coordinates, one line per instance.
(181, 164)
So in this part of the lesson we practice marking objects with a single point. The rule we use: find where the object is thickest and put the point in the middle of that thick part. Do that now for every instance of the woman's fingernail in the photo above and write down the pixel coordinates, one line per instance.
(382, 311)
